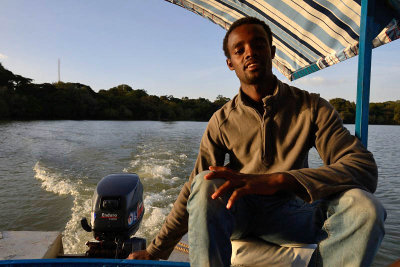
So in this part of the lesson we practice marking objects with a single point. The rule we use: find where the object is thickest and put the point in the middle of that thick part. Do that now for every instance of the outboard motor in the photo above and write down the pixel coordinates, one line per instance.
(117, 211)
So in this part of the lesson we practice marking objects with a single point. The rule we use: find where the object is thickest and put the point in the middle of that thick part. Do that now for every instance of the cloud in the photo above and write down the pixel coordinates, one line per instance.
(320, 81)
(2, 56)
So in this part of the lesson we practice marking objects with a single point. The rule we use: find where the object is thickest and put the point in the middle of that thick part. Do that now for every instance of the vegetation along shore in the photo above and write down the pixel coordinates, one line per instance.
(20, 99)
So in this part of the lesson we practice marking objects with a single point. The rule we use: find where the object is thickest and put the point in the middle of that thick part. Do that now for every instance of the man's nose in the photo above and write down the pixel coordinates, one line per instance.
(250, 51)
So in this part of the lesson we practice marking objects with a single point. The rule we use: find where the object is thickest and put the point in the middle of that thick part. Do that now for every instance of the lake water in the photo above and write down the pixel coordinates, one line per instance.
(49, 170)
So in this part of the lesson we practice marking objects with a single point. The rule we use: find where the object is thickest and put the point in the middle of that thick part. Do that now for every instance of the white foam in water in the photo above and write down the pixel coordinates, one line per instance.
(157, 171)
(53, 182)
(175, 179)
(152, 221)
(135, 162)
(149, 200)
(74, 236)
(154, 164)
(154, 216)
(153, 168)
(149, 171)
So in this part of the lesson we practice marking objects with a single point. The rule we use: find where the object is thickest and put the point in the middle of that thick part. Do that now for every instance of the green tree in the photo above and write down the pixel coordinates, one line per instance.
(345, 108)
(396, 113)
(221, 100)
(22, 99)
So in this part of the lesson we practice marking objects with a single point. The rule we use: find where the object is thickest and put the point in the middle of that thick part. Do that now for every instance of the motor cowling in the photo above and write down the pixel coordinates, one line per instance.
(117, 207)
(117, 211)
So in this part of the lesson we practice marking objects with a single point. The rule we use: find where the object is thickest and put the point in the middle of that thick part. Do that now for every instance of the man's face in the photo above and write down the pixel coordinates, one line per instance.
(251, 54)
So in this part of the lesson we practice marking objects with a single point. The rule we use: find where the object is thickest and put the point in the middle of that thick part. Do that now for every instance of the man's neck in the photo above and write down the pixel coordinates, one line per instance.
(258, 91)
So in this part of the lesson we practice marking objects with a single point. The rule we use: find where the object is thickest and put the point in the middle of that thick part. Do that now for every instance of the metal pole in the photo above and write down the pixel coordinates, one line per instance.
(58, 70)
(364, 69)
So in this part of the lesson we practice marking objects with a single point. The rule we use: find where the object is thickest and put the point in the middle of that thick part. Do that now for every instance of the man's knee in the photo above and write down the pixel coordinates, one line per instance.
(354, 228)
(202, 189)
(362, 206)
(203, 186)
(200, 202)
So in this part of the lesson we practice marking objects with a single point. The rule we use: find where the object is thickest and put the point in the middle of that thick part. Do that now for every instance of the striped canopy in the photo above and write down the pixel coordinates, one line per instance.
(309, 35)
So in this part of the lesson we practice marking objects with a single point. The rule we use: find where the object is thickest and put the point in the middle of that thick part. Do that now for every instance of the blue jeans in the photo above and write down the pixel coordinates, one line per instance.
(347, 228)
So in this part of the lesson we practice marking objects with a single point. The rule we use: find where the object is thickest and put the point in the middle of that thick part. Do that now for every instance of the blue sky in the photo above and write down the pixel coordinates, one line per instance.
(152, 45)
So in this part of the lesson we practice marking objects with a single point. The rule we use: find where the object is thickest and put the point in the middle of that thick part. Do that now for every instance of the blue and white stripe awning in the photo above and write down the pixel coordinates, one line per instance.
(309, 35)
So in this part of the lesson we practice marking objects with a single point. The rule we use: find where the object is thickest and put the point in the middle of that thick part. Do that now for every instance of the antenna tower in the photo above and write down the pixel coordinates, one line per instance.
(58, 70)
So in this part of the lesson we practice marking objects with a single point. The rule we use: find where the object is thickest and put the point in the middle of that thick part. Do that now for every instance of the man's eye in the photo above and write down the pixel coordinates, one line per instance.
(260, 45)
(238, 51)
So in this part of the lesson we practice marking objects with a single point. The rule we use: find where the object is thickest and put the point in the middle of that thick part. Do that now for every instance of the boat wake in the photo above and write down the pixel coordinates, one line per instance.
(158, 171)
(158, 168)
(57, 183)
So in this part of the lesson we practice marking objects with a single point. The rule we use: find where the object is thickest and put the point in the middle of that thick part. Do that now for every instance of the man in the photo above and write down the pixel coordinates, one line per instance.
(267, 131)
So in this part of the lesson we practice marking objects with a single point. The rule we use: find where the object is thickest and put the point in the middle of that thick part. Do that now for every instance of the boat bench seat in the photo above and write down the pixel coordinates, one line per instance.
(257, 252)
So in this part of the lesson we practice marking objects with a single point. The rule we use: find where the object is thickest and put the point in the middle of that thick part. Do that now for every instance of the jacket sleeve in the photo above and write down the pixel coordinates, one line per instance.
(211, 153)
(347, 163)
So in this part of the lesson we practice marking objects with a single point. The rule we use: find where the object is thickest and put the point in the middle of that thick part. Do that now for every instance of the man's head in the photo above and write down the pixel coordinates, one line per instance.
(249, 51)
(242, 21)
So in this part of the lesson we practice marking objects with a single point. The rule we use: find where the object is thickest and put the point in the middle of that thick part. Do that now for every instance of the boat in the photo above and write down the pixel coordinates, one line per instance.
(117, 211)
(352, 28)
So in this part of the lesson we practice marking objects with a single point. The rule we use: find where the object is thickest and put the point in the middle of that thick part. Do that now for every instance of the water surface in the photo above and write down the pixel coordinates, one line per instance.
(49, 170)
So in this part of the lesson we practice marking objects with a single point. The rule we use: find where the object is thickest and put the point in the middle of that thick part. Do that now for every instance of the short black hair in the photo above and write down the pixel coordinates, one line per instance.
(240, 22)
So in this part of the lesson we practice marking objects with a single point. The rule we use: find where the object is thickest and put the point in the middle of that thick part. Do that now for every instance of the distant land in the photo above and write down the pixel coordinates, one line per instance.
(20, 99)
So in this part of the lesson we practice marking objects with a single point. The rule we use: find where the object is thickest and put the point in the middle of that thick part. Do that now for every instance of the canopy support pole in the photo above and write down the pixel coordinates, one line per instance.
(364, 69)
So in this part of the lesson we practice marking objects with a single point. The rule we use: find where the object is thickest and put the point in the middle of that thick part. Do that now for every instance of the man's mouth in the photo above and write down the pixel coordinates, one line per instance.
(253, 66)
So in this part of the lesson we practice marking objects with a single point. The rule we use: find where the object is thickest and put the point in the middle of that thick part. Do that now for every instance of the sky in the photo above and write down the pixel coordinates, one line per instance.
(152, 45)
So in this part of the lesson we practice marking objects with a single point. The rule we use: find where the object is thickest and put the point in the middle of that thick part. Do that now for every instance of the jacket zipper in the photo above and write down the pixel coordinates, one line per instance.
(262, 119)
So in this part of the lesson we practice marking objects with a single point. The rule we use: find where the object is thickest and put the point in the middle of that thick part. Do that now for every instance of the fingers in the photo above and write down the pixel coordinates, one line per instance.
(141, 255)
(233, 180)
(238, 193)
(218, 168)
(222, 190)
(132, 256)
(217, 172)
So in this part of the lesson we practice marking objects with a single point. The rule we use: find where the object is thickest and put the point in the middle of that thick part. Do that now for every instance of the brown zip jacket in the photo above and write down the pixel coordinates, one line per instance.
(277, 141)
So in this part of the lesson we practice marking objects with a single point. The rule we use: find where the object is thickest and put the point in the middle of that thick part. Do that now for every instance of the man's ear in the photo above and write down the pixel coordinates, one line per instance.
(273, 50)
(229, 63)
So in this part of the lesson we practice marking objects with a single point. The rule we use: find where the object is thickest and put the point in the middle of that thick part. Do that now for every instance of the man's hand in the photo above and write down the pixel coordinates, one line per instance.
(246, 184)
(141, 255)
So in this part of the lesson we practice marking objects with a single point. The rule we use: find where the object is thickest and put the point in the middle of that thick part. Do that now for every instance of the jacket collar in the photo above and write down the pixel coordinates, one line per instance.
(269, 100)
